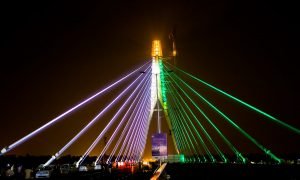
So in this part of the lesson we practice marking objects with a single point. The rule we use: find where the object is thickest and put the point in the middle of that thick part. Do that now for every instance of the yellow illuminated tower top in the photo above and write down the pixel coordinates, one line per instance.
(156, 48)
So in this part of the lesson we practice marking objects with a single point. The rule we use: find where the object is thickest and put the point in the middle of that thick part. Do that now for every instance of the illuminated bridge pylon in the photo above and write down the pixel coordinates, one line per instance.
(158, 88)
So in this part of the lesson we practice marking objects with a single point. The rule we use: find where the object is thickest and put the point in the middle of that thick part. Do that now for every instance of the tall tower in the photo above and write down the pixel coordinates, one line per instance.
(158, 99)
(155, 88)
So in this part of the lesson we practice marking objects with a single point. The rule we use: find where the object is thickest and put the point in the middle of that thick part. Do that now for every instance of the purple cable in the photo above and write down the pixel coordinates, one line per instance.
(33, 133)
(131, 135)
(138, 147)
(111, 122)
(133, 125)
(137, 141)
(130, 139)
(126, 127)
(90, 123)
(142, 91)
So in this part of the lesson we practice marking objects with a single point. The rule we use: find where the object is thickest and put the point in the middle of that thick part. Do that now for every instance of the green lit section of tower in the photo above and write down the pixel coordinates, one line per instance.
(163, 85)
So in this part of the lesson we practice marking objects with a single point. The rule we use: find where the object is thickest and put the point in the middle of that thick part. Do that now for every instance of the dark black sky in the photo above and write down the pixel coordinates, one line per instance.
(55, 54)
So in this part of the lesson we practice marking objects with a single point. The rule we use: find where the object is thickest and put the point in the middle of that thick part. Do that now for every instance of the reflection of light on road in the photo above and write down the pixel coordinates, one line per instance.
(132, 169)
(158, 172)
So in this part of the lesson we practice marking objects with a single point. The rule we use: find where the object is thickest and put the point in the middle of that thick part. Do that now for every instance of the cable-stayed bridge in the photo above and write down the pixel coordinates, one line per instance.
(203, 120)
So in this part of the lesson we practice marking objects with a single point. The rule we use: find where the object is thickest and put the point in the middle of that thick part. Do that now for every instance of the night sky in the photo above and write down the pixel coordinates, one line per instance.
(53, 55)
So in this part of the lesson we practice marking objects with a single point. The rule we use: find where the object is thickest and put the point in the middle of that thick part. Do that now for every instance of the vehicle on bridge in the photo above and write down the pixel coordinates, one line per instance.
(83, 168)
(45, 172)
